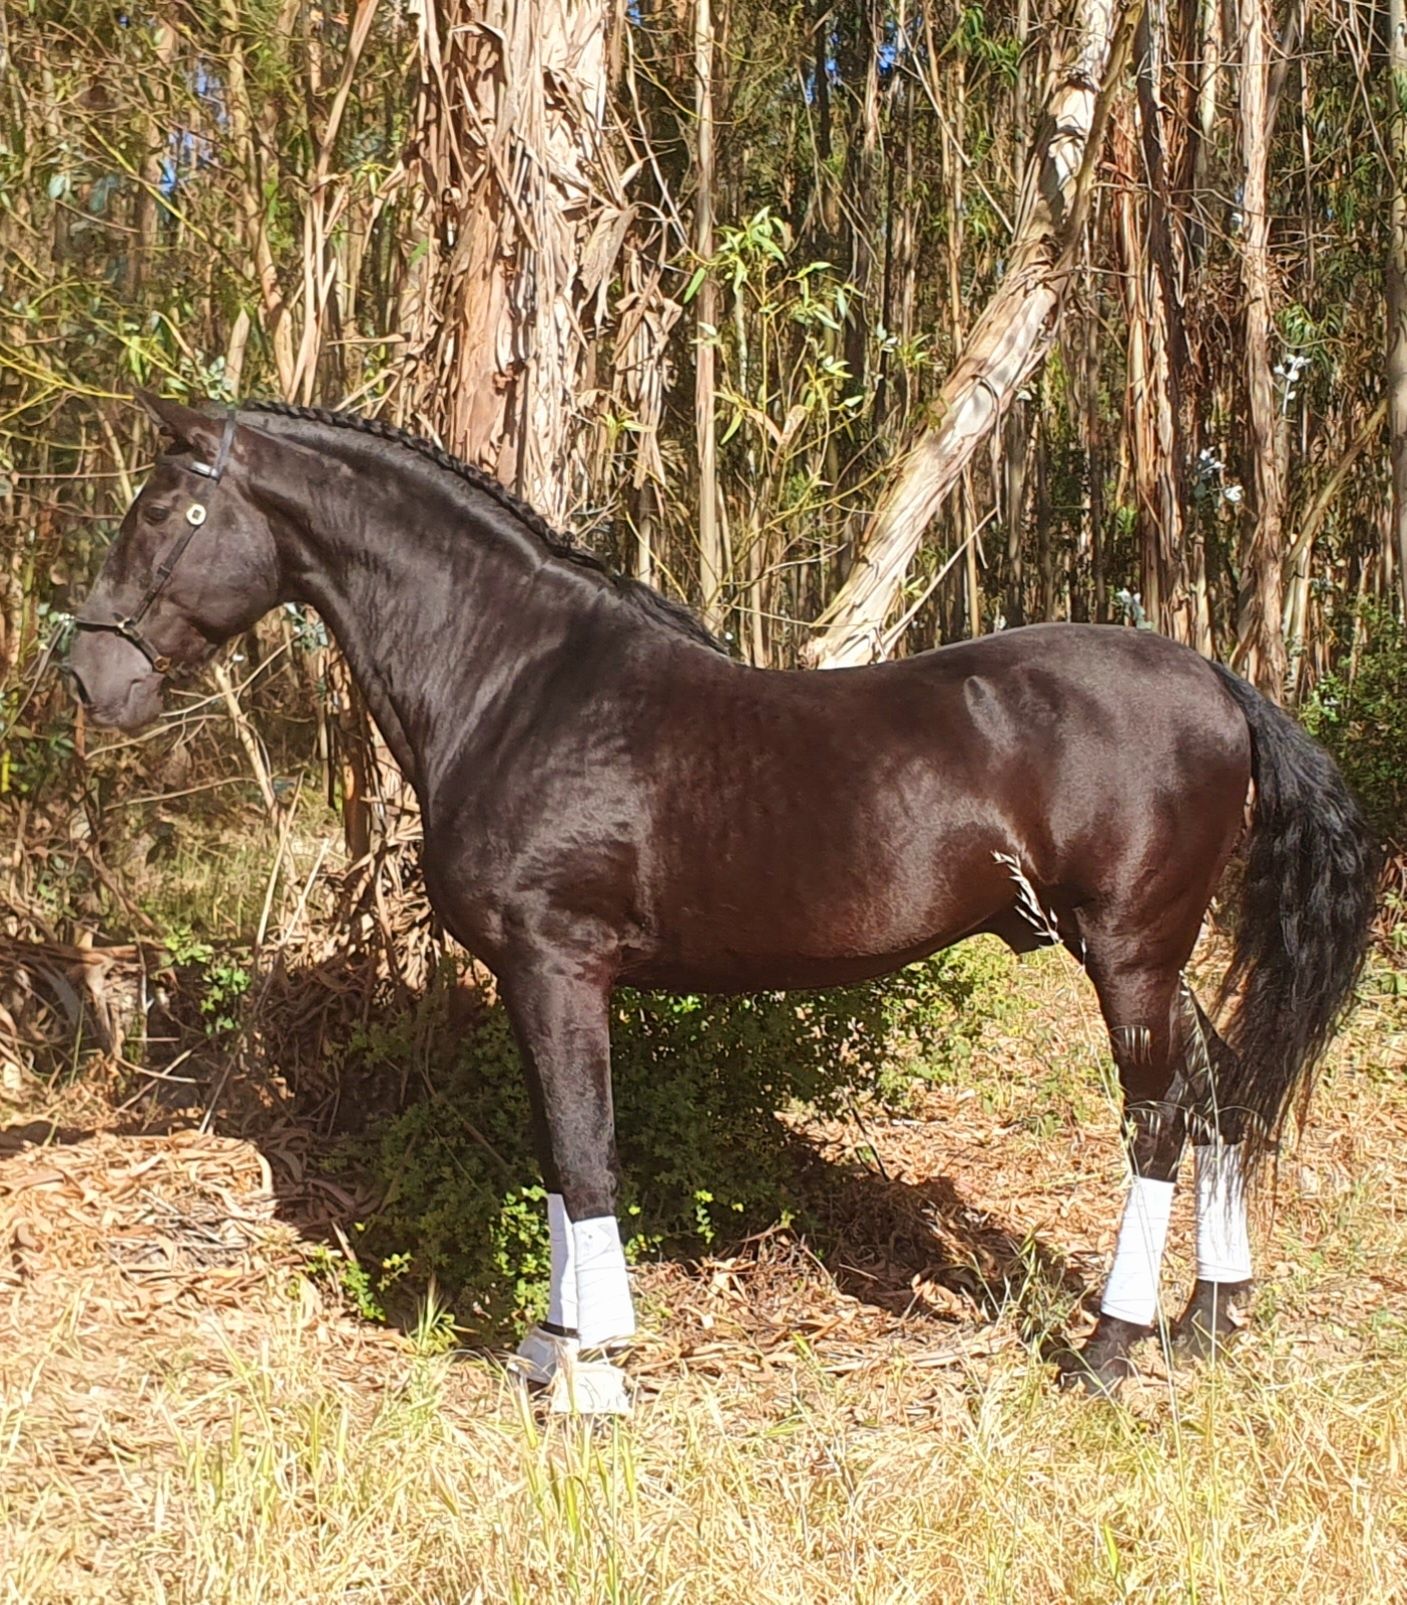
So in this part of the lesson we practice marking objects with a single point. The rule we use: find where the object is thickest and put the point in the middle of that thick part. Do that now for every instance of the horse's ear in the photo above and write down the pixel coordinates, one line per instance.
(185, 425)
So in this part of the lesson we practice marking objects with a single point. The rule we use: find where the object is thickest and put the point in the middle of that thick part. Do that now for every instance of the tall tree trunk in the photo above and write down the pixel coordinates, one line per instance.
(1006, 344)
(154, 134)
(640, 354)
(1299, 559)
(524, 219)
(1397, 287)
(247, 144)
(1163, 488)
(864, 192)
(706, 326)
(1261, 645)
(1092, 548)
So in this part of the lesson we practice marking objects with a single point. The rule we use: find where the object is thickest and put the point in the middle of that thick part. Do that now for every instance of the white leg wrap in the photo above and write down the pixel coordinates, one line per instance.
(589, 1298)
(1131, 1292)
(561, 1299)
(542, 1355)
(604, 1309)
(1223, 1235)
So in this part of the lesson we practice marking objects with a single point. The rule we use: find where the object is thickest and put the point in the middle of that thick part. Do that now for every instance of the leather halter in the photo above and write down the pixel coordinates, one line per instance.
(127, 627)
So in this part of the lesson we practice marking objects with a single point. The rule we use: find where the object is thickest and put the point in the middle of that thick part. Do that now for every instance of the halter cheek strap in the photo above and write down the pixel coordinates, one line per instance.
(128, 627)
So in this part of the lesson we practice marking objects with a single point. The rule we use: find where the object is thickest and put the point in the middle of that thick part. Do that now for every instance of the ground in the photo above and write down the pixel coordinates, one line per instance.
(189, 1413)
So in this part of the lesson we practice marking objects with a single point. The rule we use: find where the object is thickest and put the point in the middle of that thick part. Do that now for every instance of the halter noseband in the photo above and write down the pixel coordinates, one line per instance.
(127, 627)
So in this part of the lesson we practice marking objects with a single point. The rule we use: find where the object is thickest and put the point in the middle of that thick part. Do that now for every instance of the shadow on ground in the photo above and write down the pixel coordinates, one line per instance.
(335, 1063)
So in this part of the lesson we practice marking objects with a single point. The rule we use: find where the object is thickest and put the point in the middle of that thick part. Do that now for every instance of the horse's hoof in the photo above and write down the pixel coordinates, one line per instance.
(575, 1384)
(541, 1356)
(1212, 1321)
(1102, 1363)
(590, 1388)
(1099, 1379)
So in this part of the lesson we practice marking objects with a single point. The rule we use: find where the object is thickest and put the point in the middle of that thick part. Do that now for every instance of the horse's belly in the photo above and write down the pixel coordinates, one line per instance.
(761, 925)
(721, 971)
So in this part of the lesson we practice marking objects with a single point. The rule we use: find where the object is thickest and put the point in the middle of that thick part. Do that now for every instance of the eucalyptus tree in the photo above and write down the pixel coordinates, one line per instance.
(520, 220)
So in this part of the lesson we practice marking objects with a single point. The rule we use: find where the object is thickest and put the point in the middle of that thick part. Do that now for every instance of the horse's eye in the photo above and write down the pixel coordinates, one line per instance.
(156, 514)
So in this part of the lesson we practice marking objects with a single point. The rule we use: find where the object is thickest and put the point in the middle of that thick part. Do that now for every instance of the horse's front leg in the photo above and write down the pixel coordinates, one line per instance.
(560, 1013)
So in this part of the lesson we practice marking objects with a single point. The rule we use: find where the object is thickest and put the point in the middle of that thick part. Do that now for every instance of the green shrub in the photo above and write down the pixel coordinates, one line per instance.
(699, 1084)
(217, 979)
(1362, 719)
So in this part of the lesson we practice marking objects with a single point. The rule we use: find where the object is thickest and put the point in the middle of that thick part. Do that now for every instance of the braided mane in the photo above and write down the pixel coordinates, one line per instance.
(644, 598)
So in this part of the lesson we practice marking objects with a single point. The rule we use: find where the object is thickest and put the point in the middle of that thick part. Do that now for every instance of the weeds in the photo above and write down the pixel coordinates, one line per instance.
(699, 1085)
(282, 1453)
(438, 1486)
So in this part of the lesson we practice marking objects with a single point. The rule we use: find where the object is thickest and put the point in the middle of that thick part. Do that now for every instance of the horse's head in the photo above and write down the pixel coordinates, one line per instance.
(193, 564)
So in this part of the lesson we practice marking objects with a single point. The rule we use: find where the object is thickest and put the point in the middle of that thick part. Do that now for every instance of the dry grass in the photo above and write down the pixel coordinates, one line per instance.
(185, 1416)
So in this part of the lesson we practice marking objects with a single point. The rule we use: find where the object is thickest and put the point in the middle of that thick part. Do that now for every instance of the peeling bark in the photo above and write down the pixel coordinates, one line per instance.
(523, 224)
(1007, 343)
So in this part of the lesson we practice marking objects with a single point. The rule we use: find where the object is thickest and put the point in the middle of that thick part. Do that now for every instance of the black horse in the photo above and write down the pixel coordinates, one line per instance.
(608, 798)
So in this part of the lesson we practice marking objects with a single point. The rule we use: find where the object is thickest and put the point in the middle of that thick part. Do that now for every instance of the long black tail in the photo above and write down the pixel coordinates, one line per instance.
(1307, 902)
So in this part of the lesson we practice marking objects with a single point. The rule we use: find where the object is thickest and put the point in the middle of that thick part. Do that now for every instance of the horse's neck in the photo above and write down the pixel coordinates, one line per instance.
(430, 610)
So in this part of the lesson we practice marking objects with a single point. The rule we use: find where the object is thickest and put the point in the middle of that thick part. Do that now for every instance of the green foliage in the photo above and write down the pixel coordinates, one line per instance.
(33, 755)
(358, 1287)
(699, 1087)
(1361, 716)
(1000, 53)
(784, 388)
(222, 983)
(225, 985)
(786, 394)
(183, 947)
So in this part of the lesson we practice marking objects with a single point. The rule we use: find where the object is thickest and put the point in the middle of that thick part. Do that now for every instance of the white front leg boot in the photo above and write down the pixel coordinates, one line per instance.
(605, 1312)
(605, 1315)
(589, 1307)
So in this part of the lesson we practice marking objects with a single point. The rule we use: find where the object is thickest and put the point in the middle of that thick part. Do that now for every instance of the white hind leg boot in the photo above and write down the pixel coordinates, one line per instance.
(1223, 1233)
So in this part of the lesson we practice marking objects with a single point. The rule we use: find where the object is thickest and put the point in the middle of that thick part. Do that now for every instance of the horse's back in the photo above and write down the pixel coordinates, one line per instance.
(1046, 708)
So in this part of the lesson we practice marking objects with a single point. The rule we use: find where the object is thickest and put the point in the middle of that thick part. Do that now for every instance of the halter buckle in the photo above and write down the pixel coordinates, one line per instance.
(195, 514)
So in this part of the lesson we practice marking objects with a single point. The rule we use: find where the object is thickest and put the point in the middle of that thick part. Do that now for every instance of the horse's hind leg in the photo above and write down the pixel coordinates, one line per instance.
(1223, 1285)
(1142, 1007)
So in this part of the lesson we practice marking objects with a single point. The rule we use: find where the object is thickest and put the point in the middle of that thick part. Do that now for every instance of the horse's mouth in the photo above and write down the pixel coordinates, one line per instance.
(139, 705)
